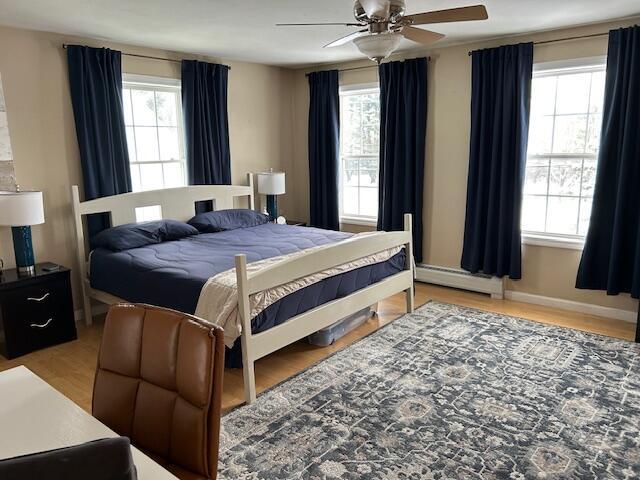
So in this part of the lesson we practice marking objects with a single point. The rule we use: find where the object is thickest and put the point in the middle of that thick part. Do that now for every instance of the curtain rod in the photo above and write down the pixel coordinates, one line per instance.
(64, 45)
(358, 68)
(565, 39)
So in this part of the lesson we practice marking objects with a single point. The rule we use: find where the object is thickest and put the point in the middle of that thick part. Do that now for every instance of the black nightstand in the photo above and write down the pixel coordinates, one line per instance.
(36, 311)
(296, 223)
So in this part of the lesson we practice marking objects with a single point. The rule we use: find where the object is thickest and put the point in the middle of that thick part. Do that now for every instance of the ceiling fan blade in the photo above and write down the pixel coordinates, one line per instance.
(376, 8)
(314, 24)
(462, 14)
(421, 36)
(345, 39)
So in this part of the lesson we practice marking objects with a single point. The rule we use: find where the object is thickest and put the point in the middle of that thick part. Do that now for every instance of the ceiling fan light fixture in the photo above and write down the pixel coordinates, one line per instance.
(378, 47)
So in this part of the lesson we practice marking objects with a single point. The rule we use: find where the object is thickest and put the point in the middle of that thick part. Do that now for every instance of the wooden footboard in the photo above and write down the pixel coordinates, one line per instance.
(261, 344)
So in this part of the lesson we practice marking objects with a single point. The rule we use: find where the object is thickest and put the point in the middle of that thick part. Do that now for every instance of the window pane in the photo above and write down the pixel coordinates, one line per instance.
(144, 110)
(588, 177)
(593, 133)
(351, 126)
(569, 134)
(369, 163)
(350, 201)
(351, 163)
(564, 176)
(147, 144)
(536, 179)
(585, 215)
(371, 140)
(126, 105)
(533, 213)
(540, 135)
(169, 146)
(369, 202)
(173, 175)
(350, 178)
(562, 215)
(573, 93)
(166, 109)
(136, 186)
(597, 92)
(543, 96)
(131, 144)
(151, 176)
(368, 178)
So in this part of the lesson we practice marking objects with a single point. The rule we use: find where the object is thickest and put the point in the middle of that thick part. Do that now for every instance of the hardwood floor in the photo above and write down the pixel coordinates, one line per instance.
(70, 367)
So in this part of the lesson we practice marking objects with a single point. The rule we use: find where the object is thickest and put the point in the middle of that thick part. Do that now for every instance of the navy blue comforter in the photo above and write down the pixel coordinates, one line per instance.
(171, 274)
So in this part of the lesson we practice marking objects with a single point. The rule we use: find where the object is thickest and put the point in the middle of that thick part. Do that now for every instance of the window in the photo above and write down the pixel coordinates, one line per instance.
(153, 119)
(564, 136)
(359, 154)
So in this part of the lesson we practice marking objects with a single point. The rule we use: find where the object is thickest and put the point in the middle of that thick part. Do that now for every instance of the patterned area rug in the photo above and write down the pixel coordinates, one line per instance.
(446, 393)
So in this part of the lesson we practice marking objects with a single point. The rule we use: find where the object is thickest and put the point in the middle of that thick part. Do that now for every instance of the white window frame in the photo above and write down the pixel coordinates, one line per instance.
(161, 84)
(587, 64)
(362, 220)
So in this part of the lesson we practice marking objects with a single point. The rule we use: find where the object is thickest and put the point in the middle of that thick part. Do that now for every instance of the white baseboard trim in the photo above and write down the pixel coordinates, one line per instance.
(78, 314)
(588, 308)
(457, 278)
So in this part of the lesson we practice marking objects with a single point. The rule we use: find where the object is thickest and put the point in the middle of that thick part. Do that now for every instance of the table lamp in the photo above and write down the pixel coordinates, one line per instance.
(271, 184)
(19, 210)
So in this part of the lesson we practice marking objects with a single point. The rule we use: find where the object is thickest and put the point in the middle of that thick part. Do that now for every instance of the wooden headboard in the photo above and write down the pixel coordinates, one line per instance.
(175, 203)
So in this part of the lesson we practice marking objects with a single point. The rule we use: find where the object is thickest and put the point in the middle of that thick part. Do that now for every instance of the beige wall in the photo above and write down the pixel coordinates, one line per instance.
(546, 271)
(268, 115)
(34, 74)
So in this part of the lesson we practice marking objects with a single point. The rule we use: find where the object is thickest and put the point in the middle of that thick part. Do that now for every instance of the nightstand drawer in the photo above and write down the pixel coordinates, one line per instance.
(37, 314)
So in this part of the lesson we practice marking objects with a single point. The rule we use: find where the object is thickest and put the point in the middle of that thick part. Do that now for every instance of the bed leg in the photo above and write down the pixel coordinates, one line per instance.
(410, 299)
(408, 248)
(249, 381)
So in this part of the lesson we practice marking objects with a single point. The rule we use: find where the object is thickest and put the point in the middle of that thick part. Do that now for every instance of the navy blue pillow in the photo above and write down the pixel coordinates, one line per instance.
(135, 235)
(231, 219)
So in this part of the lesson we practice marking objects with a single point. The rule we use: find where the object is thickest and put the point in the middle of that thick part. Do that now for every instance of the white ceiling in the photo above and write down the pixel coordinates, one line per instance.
(245, 30)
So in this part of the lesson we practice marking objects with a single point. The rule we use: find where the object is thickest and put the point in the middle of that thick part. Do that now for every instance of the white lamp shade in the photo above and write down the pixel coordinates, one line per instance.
(271, 183)
(378, 47)
(18, 209)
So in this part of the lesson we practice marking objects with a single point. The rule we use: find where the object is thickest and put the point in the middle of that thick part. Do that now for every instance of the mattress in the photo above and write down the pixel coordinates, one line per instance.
(172, 274)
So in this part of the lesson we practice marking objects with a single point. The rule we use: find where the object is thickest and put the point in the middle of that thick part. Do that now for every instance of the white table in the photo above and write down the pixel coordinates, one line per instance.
(35, 417)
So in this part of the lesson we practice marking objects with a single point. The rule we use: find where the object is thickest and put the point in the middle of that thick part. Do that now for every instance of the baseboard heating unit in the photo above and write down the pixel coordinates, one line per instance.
(457, 278)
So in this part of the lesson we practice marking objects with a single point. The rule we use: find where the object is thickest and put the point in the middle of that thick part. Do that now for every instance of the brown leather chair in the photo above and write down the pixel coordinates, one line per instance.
(159, 382)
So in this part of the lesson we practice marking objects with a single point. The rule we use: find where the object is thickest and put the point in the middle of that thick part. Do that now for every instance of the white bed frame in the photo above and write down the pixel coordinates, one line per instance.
(178, 203)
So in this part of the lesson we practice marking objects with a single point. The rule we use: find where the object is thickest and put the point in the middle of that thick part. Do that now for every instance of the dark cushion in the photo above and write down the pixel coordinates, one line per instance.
(222, 220)
(134, 235)
(107, 459)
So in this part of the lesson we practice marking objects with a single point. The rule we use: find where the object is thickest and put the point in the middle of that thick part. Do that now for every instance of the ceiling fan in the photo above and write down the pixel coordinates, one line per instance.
(383, 23)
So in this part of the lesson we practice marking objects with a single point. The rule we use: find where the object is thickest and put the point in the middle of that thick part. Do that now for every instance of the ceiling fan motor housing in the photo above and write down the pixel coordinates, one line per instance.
(396, 12)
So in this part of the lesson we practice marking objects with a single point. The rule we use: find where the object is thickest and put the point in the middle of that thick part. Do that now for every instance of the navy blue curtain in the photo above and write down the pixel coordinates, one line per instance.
(206, 124)
(611, 255)
(500, 100)
(95, 80)
(403, 127)
(324, 149)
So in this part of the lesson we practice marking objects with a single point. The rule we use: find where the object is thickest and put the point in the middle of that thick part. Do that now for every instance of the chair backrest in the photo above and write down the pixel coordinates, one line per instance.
(106, 459)
(159, 382)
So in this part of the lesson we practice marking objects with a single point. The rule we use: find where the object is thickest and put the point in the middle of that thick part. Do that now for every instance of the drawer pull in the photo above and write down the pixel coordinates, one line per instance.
(34, 299)
(45, 324)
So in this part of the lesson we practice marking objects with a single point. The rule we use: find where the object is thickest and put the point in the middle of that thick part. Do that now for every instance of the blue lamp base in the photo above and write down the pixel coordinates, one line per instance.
(272, 206)
(23, 248)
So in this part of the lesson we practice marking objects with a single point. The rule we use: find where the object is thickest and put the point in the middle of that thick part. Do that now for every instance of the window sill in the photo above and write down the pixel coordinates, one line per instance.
(358, 221)
(553, 242)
